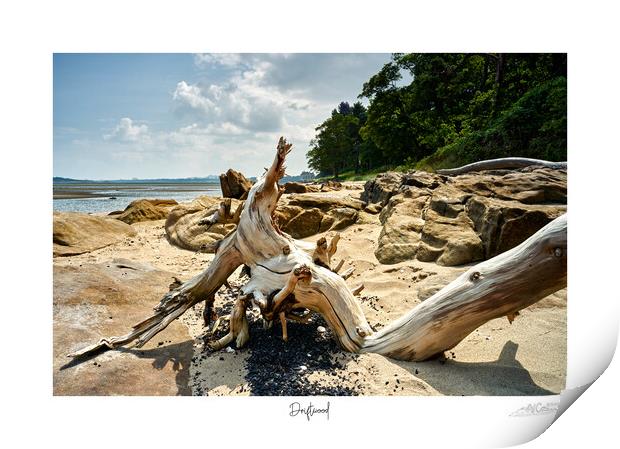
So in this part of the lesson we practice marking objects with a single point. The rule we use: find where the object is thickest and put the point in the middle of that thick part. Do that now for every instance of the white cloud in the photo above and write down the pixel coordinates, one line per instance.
(226, 59)
(236, 111)
(127, 131)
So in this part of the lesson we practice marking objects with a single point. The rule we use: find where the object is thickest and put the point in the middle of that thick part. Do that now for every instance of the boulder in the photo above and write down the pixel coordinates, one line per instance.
(329, 186)
(422, 179)
(295, 187)
(399, 239)
(145, 210)
(99, 300)
(532, 186)
(304, 224)
(183, 228)
(464, 218)
(285, 213)
(76, 233)
(452, 240)
(342, 217)
(502, 225)
(234, 184)
(380, 189)
(325, 201)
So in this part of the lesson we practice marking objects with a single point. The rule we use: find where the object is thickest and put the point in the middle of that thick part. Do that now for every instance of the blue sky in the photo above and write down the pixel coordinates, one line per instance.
(119, 116)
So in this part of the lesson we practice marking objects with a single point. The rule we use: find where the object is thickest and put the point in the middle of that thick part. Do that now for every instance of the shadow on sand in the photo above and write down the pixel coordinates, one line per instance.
(502, 377)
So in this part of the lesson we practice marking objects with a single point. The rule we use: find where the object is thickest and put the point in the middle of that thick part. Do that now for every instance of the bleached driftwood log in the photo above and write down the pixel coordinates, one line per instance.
(501, 163)
(289, 275)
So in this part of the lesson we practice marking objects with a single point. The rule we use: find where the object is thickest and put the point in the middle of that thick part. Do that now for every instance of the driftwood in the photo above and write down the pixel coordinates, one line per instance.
(289, 278)
(500, 164)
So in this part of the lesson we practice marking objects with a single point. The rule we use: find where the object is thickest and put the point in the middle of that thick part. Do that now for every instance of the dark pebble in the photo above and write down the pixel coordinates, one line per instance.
(271, 363)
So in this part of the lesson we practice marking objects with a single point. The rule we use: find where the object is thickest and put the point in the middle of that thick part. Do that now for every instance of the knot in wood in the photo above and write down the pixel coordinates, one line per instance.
(475, 276)
(360, 332)
(286, 250)
(557, 252)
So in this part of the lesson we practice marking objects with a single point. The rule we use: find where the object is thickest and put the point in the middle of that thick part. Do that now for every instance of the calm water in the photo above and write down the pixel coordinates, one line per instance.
(108, 197)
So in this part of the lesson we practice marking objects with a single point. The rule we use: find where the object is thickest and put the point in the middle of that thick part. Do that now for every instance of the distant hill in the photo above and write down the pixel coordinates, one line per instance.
(304, 176)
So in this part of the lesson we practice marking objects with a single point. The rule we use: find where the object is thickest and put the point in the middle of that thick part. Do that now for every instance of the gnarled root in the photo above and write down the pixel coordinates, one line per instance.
(324, 251)
(238, 324)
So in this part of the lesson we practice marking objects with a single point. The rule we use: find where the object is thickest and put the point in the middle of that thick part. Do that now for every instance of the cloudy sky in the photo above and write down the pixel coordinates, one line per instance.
(180, 115)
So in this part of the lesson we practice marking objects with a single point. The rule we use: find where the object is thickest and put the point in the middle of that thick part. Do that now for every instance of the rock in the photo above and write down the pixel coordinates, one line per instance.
(325, 201)
(321, 330)
(75, 233)
(285, 213)
(399, 239)
(373, 208)
(295, 187)
(464, 218)
(455, 237)
(145, 210)
(502, 225)
(343, 217)
(305, 224)
(410, 201)
(533, 186)
(234, 184)
(326, 223)
(183, 228)
(418, 178)
(84, 300)
(380, 189)
(330, 185)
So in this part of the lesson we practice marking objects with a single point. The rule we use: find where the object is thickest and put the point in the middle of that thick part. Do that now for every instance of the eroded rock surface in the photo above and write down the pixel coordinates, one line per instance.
(92, 301)
(185, 230)
(145, 210)
(462, 219)
(78, 233)
(234, 184)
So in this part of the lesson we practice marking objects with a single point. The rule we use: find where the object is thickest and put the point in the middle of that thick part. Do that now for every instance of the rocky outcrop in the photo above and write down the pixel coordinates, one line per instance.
(75, 233)
(145, 210)
(300, 215)
(185, 230)
(234, 184)
(325, 201)
(380, 189)
(504, 224)
(96, 300)
(462, 219)
(304, 224)
(295, 187)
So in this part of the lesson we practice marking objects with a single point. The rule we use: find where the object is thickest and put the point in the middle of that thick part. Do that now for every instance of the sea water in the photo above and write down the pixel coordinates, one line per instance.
(108, 197)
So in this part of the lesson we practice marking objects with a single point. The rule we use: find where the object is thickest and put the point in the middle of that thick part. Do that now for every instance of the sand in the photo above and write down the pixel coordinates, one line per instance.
(527, 357)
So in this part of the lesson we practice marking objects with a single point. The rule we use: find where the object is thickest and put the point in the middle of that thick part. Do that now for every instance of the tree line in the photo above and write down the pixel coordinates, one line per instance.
(457, 108)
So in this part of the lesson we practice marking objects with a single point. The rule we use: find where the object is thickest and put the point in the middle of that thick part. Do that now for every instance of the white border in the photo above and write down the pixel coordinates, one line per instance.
(31, 31)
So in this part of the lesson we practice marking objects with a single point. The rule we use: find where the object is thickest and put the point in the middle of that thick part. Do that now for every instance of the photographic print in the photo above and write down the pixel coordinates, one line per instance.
(310, 224)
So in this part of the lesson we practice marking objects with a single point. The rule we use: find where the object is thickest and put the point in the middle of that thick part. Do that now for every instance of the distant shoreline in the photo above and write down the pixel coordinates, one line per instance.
(104, 197)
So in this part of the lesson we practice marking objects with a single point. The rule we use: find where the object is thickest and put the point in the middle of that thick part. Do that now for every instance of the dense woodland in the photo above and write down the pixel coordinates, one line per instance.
(457, 109)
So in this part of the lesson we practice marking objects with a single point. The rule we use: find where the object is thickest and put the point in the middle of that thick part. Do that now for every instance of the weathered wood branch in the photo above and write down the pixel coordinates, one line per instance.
(500, 164)
(497, 287)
